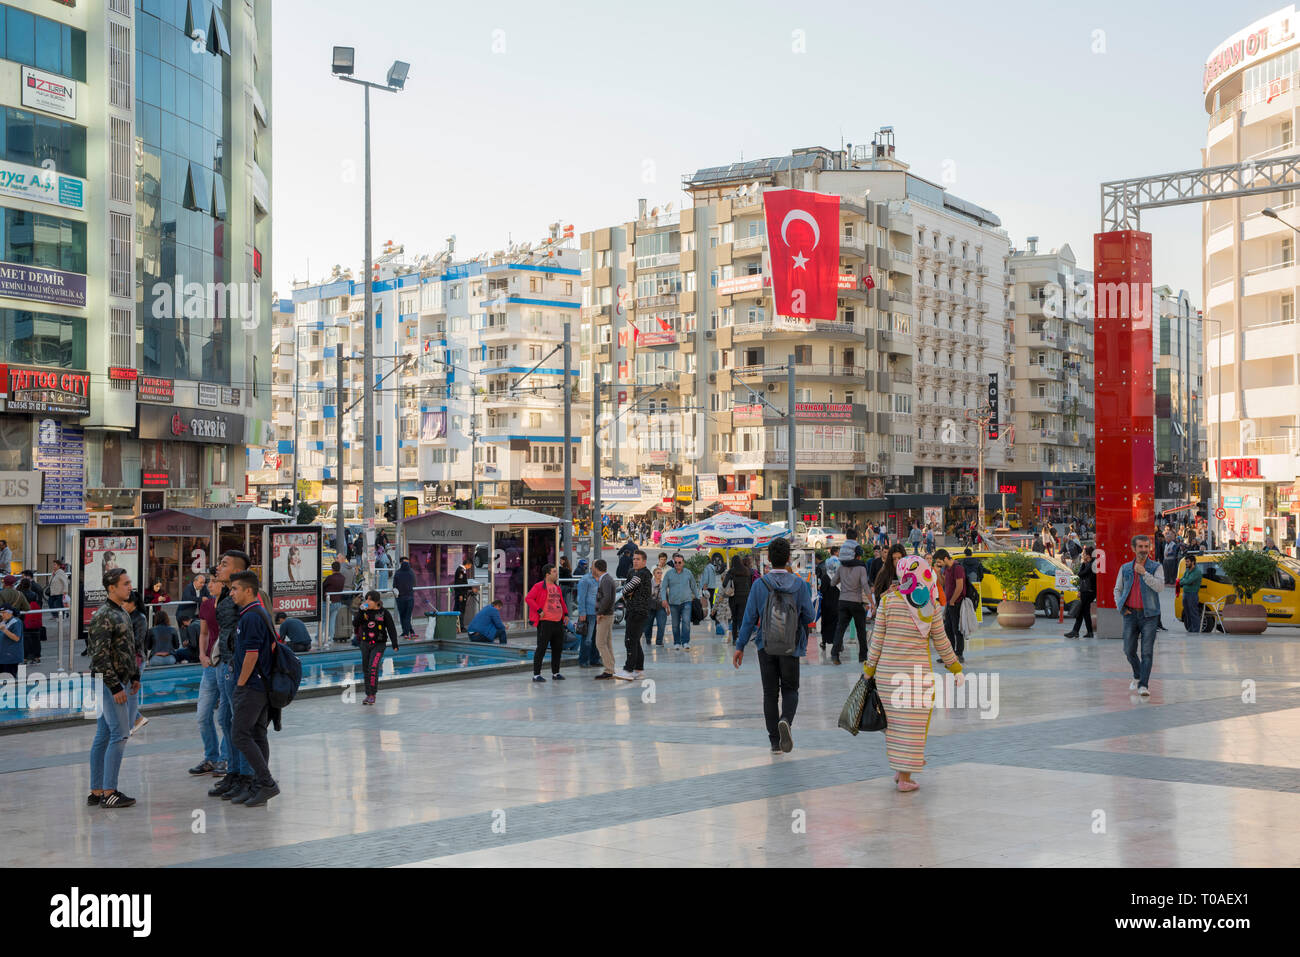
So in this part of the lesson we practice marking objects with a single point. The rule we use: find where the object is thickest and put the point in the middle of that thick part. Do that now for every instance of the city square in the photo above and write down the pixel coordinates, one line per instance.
(686, 436)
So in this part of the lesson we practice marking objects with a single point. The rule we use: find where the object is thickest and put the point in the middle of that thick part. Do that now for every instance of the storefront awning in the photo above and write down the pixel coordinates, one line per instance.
(555, 484)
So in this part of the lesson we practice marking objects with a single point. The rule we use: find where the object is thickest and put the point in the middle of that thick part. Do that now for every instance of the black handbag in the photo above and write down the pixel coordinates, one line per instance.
(697, 611)
(873, 712)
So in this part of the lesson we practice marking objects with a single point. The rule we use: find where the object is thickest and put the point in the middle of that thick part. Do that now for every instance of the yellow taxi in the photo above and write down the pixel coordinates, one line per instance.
(1054, 582)
(1280, 598)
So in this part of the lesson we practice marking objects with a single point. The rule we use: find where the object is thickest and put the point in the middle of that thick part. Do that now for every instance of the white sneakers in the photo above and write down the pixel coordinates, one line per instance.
(1133, 685)
(1144, 691)
(624, 675)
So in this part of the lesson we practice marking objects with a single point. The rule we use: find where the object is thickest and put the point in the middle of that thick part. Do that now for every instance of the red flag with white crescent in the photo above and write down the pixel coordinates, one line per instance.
(664, 324)
(803, 234)
(871, 282)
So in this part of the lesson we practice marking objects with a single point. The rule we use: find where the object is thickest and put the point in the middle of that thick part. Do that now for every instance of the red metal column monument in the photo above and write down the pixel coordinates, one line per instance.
(1125, 406)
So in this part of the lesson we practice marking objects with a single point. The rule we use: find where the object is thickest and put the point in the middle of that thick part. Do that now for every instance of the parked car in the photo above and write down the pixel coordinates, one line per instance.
(1042, 589)
(800, 533)
(822, 536)
(1280, 598)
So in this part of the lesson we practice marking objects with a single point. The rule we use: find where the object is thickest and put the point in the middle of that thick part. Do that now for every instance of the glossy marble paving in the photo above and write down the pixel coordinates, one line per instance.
(496, 771)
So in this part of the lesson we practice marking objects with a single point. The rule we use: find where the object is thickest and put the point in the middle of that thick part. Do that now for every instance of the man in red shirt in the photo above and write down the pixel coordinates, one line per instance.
(954, 590)
(547, 610)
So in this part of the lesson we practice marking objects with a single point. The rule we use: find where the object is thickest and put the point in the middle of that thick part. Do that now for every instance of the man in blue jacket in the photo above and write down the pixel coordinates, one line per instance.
(587, 655)
(404, 585)
(780, 672)
(487, 624)
(1139, 602)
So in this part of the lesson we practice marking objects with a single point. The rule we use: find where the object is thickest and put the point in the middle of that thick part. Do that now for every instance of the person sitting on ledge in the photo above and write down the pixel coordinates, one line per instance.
(487, 624)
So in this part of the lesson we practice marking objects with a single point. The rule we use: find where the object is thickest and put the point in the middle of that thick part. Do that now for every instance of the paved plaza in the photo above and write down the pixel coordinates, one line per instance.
(1073, 770)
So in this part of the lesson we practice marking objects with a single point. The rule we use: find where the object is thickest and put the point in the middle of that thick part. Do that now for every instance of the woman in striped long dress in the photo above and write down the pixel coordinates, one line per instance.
(906, 624)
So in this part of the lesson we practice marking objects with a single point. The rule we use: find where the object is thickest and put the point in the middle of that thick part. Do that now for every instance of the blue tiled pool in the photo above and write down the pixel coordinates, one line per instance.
(180, 684)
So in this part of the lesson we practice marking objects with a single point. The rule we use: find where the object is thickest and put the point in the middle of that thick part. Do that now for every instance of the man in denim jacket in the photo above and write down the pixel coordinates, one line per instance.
(1139, 603)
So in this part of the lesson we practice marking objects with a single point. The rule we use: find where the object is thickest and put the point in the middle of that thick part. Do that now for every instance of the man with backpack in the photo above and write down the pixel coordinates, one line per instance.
(777, 615)
(254, 639)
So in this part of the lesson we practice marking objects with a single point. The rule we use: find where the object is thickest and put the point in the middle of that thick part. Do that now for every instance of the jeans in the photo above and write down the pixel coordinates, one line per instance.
(111, 731)
(681, 613)
(209, 696)
(236, 763)
(382, 575)
(404, 608)
(655, 616)
(1135, 622)
(587, 654)
(1192, 611)
(916, 548)
(780, 675)
(477, 636)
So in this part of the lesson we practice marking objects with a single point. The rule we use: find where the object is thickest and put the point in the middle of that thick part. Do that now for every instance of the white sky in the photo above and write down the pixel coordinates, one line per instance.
(589, 106)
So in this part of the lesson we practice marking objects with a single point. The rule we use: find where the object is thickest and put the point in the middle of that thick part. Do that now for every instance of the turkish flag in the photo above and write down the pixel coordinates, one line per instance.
(871, 283)
(803, 235)
(664, 324)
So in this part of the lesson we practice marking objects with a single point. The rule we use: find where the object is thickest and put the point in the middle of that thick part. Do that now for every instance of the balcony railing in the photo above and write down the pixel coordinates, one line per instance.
(773, 371)
(1259, 94)
(654, 302)
(748, 243)
(1271, 445)
(802, 457)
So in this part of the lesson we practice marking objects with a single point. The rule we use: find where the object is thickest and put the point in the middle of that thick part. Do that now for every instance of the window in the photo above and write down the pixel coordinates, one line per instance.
(33, 138)
(1288, 307)
(36, 239)
(1288, 251)
(43, 43)
(534, 420)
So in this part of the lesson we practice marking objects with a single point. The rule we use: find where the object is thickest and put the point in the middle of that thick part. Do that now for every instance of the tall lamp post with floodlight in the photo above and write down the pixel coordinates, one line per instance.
(343, 66)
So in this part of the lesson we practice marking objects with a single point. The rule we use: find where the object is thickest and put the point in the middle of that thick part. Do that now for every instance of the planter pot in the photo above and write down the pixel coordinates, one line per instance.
(1016, 614)
(1245, 619)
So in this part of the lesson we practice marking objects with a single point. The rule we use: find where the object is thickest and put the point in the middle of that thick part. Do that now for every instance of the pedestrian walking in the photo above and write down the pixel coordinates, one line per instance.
(113, 658)
(777, 616)
(656, 614)
(907, 624)
(854, 601)
(636, 592)
(678, 591)
(828, 591)
(1138, 584)
(547, 610)
(953, 582)
(1087, 595)
(914, 537)
(588, 656)
(462, 587)
(404, 585)
(735, 590)
(251, 708)
(374, 623)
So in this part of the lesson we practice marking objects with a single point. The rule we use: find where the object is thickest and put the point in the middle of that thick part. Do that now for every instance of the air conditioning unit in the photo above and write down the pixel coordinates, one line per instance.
(875, 468)
(772, 386)
(709, 333)
(883, 456)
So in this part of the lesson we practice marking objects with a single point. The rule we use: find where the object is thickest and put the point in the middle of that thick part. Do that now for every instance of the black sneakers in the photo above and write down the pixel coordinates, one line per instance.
(203, 767)
(260, 795)
(557, 677)
(116, 799)
(247, 789)
(93, 799)
(224, 785)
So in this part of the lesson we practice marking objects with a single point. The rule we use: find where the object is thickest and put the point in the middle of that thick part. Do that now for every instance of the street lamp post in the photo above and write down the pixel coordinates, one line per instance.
(343, 66)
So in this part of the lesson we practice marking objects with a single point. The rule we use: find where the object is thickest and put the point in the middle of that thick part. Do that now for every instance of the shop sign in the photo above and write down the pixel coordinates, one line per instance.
(149, 388)
(45, 391)
(42, 285)
(294, 562)
(42, 186)
(209, 394)
(48, 92)
(21, 488)
(1239, 469)
(191, 425)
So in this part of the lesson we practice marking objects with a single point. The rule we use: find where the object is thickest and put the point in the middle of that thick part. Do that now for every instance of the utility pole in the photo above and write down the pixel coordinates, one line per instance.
(368, 378)
(567, 527)
(790, 451)
(596, 540)
(399, 360)
(295, 425)
(340, 537)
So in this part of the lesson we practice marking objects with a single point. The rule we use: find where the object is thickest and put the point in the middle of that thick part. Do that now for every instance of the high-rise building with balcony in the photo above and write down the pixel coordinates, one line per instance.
(1252, 90)
(1179, 355)
(687, 343)
(1050, 392)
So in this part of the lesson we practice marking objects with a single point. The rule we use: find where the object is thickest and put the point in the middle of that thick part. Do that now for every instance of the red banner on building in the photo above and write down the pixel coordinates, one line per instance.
(804, 239)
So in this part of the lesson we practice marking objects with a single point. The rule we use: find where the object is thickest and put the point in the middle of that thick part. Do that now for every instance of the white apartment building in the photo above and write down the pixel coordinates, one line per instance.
(1252, 346)
(468, 361)
(1051, 393)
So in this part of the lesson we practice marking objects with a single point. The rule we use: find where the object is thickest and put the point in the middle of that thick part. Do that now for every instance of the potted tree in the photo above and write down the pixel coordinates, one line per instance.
(1247, 572)
(1013, 570)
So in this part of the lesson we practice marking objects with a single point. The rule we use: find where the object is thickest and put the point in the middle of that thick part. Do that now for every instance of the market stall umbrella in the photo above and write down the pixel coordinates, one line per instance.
(725, 529)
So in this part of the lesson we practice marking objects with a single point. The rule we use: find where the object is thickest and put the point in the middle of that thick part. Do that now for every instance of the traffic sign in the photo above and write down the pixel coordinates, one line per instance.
(1220, 513)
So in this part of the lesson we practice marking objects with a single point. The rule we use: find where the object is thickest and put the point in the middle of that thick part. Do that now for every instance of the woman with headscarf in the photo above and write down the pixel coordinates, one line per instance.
(735, 588)
(907, 623)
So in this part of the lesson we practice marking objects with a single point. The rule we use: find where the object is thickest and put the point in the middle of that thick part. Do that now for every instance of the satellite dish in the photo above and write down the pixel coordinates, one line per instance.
(654, 212)
(668, 208)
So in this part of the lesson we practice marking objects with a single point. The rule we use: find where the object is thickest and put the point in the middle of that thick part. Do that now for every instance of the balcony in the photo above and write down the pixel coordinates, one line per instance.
(901, 260)
(763, 457)
(853, 247)
(903, 377)
(748, 246)
(778, 372)
(893, 342)
(1036, 371)
(592, 312)
(822, 328)
(657, 302)
(662, 260)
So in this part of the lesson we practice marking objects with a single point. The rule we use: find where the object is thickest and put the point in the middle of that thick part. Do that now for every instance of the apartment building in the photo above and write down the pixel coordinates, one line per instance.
(1181, 450)
(1050, 303)
(137, 205)
(270, 473)
(468, 365)
(1252, 91)
(687, 346)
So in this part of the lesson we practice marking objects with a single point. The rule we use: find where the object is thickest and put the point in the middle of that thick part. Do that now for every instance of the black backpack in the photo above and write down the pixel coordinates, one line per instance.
(780, 621)
(285, 674)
